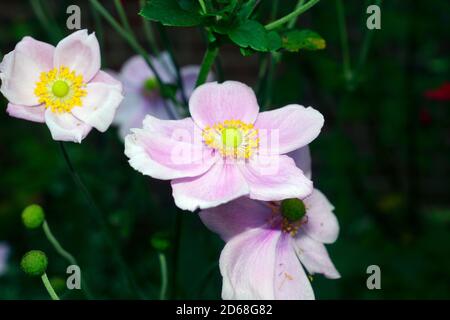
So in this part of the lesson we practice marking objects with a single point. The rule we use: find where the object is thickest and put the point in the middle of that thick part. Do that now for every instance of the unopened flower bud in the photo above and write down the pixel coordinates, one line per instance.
(33, 216)
(34, 263)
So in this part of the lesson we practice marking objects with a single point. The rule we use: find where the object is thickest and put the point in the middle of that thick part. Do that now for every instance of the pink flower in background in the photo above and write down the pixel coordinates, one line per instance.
(4, 254)
(269, 243)
(142, 94)
(60, 86)
(227, 149)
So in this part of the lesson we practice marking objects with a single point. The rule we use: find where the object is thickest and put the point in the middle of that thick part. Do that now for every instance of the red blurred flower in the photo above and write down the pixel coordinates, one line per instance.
(425, 117)
(441, 93)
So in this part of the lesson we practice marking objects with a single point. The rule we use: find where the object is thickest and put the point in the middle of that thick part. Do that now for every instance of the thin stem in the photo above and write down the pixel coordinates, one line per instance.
(208, 61)
(164, 279)
(148, 30)
(122, 15)
(202, 4)
(344, 41)
(98, 215)
(49, 287)
(169, 48)
(134, 44)
(52, 29)
(293, 21)
(298, 11)
(98, 31)
(176, 248)
(64, 253)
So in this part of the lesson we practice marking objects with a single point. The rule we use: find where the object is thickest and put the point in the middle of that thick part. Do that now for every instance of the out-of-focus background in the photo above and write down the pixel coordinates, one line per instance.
(382, 158)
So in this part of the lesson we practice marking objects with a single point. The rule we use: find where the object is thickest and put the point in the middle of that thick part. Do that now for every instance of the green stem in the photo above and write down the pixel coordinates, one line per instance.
(122, 15)
(169, 48)
(344, 41)
(52, 29)
(49, 287)
(164, 280)
(298, 11)
(202, 4)
(64, 253)
(148, 30)
(291, 23)
(208, 60)
(99, 217)
(134, 44)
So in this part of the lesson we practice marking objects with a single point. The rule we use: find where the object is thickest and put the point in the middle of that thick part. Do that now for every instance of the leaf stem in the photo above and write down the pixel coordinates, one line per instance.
(208, 60)
(49, 287)
(298, 11)
(291, 23)
(122, 15)
(164, 279)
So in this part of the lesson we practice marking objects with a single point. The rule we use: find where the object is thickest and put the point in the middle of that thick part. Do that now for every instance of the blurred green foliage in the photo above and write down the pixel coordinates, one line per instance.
(383, 169)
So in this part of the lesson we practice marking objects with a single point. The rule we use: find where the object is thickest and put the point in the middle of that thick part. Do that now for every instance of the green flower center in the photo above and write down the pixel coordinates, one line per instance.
(231, 137)
(151, 84)
(293, 209)
(60, 88)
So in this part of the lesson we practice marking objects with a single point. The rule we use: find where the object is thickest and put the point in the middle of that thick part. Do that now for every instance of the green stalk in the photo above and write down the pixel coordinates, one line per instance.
(134, 44)
(164, 279)
(208, 60)
(49, 287)
(344, 41)
(148, 30)
(122, 15)
(291, 23)
(298, 11)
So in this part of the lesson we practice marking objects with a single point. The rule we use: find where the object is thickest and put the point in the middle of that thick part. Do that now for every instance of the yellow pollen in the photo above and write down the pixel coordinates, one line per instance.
(60, 89)
(232, 138)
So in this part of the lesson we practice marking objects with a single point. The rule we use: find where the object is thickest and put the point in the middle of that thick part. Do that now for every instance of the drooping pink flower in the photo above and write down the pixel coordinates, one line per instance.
(270, 244)
(4, 254)
(142, 94)
(60, 86)
(227, 149)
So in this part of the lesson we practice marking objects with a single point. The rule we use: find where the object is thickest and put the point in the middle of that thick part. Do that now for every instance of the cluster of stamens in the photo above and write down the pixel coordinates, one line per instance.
(232, 138)
(60, 89)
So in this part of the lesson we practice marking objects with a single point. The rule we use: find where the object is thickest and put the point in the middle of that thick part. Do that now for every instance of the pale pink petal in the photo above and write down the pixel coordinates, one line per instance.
(247, 265)
(286, 129)
(302, 158)
(20, 70)
(275, 177)
(80, 52)
(164, 67)
(189, 76)
(108, 78)
(65, 127)
(314, 256)
(222, 183)
(213, 102)
(103, 97)
(235, 217)
(134, 73)
(291, 281)
(33, 113)
(168, 149)
(322, 224)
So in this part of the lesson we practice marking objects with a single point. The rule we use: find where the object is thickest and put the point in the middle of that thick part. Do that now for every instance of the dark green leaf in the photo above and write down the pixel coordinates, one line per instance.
(250, 34)
(296, 40)
(274, 40)
(169, 13)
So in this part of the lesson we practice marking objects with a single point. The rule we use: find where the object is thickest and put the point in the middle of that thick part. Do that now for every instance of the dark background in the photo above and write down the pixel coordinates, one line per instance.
(382, 158)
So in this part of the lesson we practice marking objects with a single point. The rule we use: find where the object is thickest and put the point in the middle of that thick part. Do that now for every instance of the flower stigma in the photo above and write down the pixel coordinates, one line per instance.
(60, 89)
(232, 138)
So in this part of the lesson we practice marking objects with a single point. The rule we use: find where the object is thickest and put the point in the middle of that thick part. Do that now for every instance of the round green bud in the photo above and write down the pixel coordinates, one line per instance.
(34, 263)
(33, 216)
(293, 209)
(151, 84)
(160, 241)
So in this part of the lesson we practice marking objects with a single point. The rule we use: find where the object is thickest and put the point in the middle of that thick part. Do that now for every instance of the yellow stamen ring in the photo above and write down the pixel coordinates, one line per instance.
(60, 89)
(232, 138)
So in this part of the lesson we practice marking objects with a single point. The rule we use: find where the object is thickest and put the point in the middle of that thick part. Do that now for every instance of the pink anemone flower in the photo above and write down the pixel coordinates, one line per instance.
(60, 86)
(269, 244)
(142, 94)
(227, 149)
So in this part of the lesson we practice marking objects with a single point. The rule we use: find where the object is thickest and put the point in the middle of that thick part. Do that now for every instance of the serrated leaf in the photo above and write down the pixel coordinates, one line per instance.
(169, 13)
(250, 34)
(296, 40)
